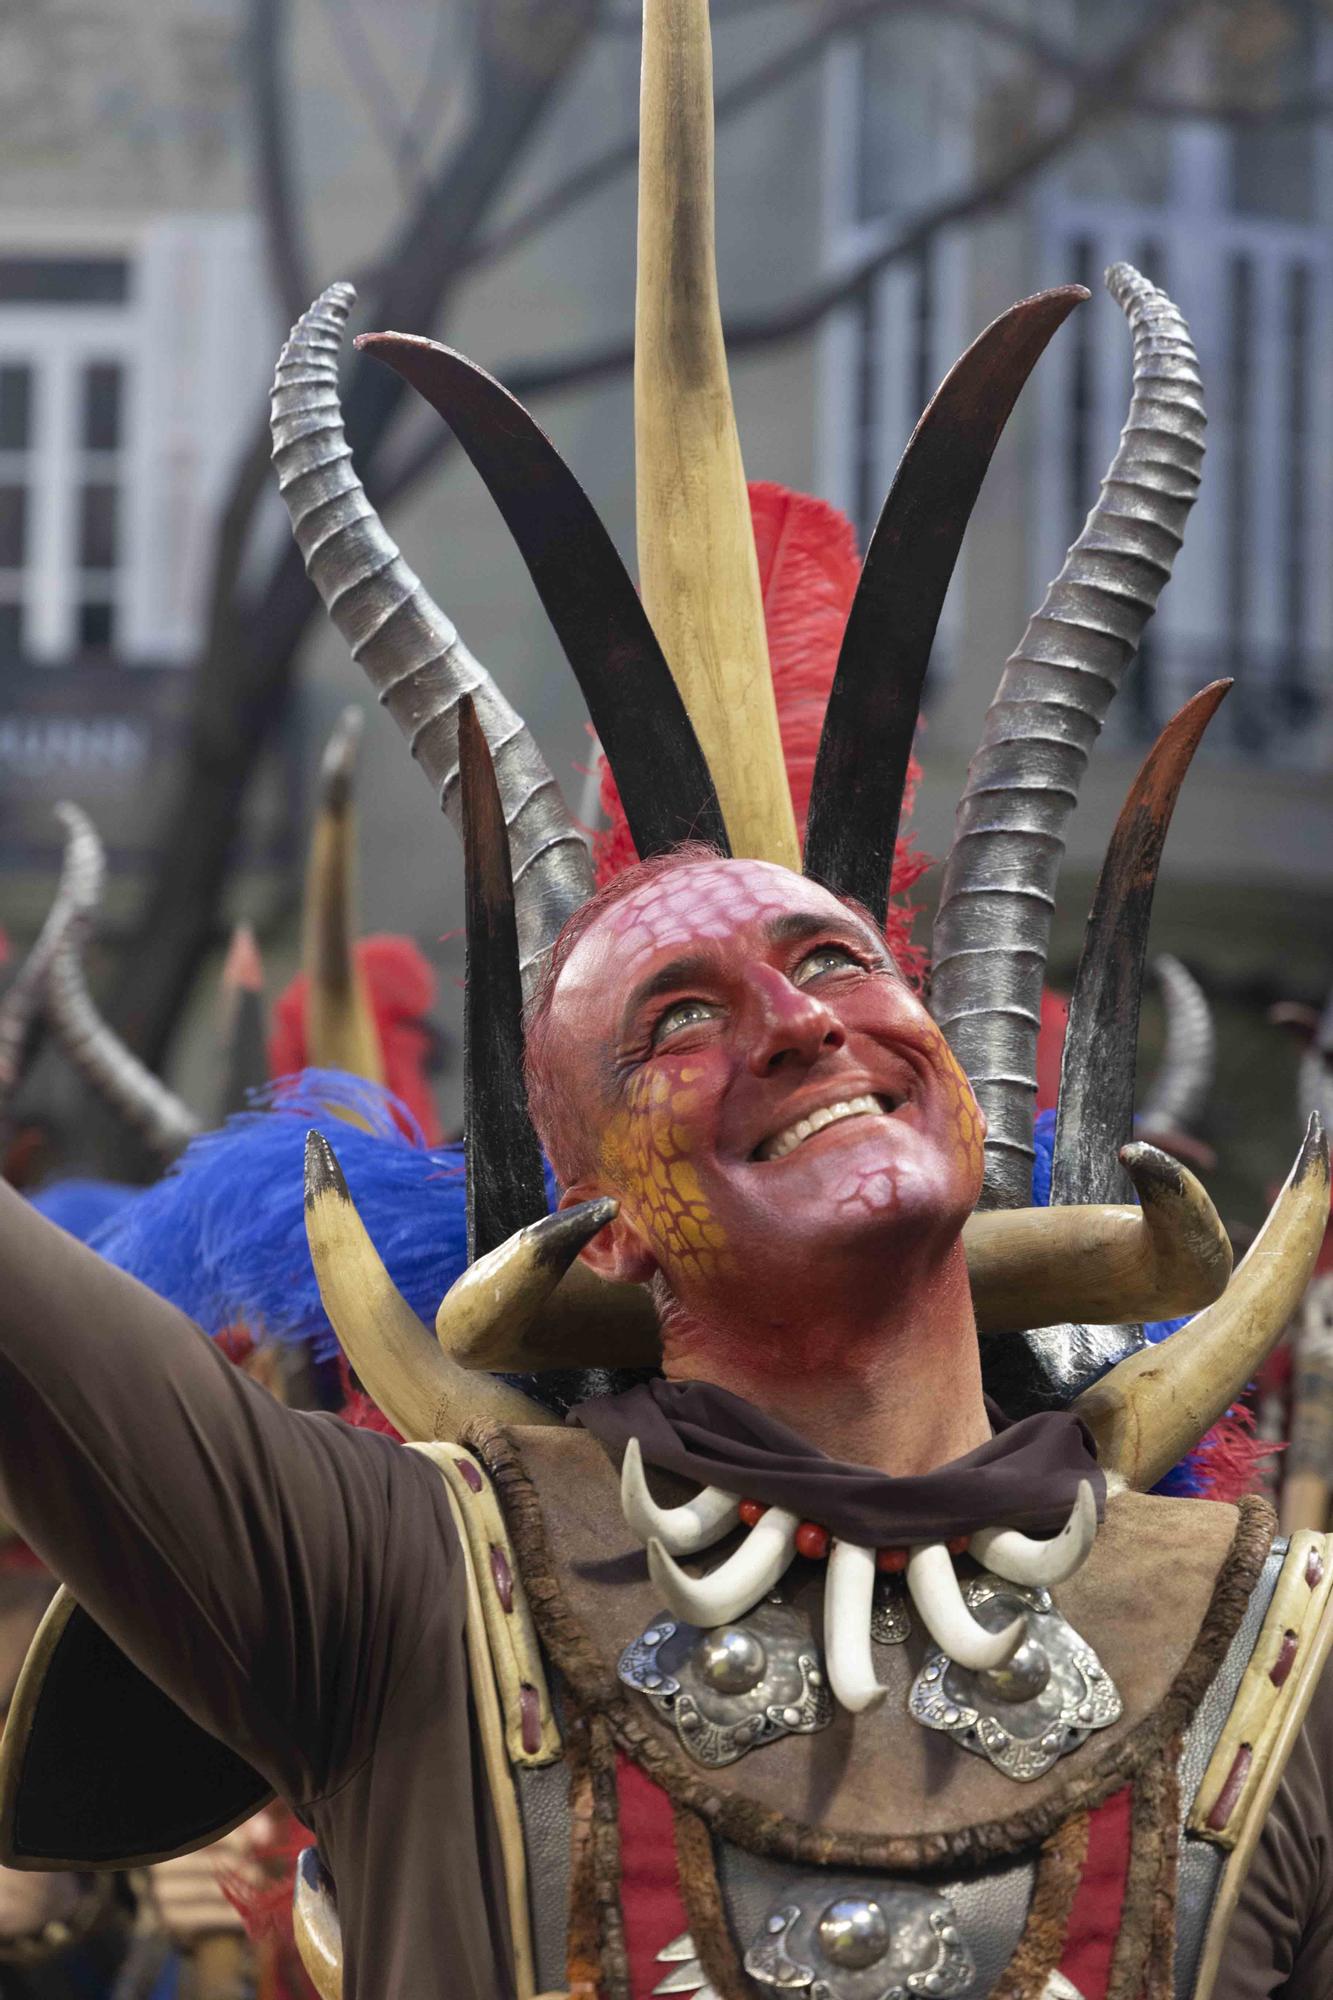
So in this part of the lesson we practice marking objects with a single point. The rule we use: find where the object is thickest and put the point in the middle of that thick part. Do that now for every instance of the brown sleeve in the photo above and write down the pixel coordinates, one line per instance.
(272, 1570)
(1281, 1937)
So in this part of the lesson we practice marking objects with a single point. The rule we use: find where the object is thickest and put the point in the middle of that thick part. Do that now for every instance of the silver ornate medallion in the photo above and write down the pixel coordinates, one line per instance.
(849, 1939)
(890, 1620)
(1039, 1706)
(729, 1689)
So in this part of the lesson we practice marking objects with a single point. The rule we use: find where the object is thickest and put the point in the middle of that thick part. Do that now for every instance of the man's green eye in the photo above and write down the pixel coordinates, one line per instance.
(685, 1014)
(828, 958)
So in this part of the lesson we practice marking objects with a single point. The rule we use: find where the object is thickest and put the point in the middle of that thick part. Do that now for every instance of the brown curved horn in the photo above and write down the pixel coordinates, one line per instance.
(340, 1026)
(78, 892)
(411, 653)
(993, 924)
(163, 1121)
(421, 1391)
(1148, 1412)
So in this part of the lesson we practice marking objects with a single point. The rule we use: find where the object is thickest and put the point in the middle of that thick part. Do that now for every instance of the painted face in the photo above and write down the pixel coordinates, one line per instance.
(761, 1088)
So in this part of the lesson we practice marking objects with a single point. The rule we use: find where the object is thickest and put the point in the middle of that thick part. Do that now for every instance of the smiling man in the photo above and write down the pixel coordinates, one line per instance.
(797, 1667)
(731, 1051)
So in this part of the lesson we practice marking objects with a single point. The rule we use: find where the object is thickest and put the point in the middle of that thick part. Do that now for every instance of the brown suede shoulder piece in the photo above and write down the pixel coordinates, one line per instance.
(1160, 1599)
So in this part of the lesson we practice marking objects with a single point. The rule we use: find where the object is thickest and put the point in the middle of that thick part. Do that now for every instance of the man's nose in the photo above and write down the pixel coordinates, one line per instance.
(789, 1023)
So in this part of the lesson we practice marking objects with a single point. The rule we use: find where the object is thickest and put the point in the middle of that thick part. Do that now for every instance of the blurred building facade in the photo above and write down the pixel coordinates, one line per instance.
(138, 328)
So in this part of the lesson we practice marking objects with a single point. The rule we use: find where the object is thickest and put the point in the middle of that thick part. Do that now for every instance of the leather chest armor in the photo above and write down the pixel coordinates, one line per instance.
(872, 1858)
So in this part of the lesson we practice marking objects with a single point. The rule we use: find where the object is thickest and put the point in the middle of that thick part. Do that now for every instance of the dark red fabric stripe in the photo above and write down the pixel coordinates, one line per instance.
(650, 1884)
(1094, 1919)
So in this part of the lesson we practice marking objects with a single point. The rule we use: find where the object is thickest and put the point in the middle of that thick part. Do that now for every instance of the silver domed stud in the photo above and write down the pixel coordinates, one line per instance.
(1019, 1679)
(731, 1660)
(854, 1932)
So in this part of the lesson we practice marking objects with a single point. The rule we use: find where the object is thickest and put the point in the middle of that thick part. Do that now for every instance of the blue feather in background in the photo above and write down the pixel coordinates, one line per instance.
(222, 1235)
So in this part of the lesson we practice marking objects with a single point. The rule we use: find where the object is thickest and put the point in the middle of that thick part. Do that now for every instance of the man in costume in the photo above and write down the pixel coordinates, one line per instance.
(801, 1667)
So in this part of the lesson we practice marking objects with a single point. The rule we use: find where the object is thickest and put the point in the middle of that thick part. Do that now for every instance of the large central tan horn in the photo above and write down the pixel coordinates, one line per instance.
(697, 565)
(340, 1025)
(421, 1391)
(1147, 1413)
(1099, 1264)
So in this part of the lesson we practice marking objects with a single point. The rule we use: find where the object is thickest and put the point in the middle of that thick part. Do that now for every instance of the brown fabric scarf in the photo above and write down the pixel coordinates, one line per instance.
(1027, 1475)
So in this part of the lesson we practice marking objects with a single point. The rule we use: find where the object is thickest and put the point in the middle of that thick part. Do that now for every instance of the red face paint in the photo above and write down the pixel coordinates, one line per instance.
(725, 1026)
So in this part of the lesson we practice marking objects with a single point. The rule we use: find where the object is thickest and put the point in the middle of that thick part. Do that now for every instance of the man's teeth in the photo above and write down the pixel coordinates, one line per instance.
(828, 1114)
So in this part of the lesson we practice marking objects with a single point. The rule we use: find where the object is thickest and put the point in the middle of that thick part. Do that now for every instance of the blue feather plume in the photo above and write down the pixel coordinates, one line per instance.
(82, 1206)
(222, 1235)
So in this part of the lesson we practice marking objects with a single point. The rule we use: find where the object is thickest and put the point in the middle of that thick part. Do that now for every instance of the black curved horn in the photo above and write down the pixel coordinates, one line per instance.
(635, 706)
(856, 797)
(505, 1186)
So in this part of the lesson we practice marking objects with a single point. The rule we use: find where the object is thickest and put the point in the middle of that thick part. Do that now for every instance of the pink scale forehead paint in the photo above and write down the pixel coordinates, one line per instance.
(700, 901)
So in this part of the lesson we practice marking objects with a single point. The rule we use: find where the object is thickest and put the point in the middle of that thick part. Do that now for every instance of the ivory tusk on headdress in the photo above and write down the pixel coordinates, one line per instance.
(424, 1394)
(1022, 1559)
(684, 1530)
(1153, 1408)
(522, 1308)
(735, 1585)
(938, 1596)
(1101, 1264)
(849, 1595)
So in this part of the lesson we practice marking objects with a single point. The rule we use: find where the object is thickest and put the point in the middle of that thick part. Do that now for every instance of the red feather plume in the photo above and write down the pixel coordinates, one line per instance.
(808, 572)
(401, 983)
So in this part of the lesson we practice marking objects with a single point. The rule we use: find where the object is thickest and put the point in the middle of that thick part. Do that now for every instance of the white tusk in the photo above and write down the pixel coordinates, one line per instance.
(1020, 1559)
(849, 1595)
(738, 1583)
(681, 1530)
(938, 1596)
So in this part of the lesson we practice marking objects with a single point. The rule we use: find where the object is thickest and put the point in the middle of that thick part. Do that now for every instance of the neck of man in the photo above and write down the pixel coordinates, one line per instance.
(897, 1388)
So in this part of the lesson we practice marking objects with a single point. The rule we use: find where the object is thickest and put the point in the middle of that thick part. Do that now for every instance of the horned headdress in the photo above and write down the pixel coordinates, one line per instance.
(678, 688)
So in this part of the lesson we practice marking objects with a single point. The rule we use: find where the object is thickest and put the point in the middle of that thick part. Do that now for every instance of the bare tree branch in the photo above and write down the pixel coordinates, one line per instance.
(275, 193)
(242, 678)
(373, 88)
(754, 87)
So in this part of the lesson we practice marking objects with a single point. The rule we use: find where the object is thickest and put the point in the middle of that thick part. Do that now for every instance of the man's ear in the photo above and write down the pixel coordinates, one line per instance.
(617, 1252)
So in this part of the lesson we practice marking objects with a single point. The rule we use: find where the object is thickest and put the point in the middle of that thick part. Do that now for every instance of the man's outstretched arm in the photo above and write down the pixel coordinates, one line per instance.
(239, 1552)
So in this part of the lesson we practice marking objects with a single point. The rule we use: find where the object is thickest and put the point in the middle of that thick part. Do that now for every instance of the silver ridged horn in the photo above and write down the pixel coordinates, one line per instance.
(684, 1530)
(78, 893)
(1021, 1559)
(412, 654)
(993, 924)
(849, 1598)
(1184, 1076)
(161, 1119)
(736, 1585)
(938, 1596)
